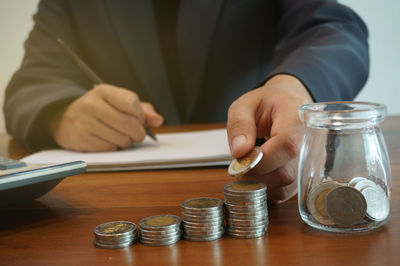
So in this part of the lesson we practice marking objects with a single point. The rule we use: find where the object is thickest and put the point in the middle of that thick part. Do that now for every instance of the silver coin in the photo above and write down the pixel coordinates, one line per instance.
(247, 227)
(201, 218)
(378, 205)
(242, 227)
(159, 243)
(112, 242)
(119, 239)
(201, 224)
(203, 233)
(245, 202)
(248, 214)
(160, 238)
(191, 231)
(345, 206)
(114, 246)
(159, 233)
(246, 219)
(213, 227)
(235, 223)
(364, 183)
(259, 194)
(246, 234)
(251, 207)
(355, 180)
(244, 164)
(203, 239)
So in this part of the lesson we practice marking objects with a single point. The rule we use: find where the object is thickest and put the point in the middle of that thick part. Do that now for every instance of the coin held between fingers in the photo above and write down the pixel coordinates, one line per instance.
(244, 164)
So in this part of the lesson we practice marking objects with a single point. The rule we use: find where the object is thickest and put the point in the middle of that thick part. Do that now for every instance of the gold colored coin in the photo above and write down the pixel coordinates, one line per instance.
(115, 228)
(160, 221)
(244, 164)
(202, 203)
(320, 202)
(316, 201)
(245, 186)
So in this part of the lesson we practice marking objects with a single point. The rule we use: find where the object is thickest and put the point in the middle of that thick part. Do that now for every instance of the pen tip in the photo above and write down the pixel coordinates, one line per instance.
(151, 134)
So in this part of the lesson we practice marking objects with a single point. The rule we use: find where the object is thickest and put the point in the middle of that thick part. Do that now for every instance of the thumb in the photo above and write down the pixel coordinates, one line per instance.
(152, 118)
(241, 126)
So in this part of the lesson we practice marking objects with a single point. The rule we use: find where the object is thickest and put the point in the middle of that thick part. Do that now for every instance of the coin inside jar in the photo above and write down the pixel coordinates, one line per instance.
(378, 205)
(316, 201)
(345, 206)
(242, 165)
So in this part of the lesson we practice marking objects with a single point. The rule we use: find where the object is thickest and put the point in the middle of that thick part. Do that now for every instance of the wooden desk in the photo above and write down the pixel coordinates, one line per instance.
(57, 228)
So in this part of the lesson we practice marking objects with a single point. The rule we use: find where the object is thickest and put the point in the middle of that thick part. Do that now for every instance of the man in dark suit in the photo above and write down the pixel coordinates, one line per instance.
(189, 60)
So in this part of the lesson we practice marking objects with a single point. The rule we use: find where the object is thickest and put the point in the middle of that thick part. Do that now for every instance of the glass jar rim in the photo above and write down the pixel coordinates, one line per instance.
(342, 114)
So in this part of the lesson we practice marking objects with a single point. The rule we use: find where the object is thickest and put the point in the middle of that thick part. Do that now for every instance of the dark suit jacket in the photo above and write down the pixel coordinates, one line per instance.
(226, 47)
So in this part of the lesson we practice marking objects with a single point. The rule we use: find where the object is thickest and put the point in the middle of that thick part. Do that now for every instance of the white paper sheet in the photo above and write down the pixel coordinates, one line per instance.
(173, 150)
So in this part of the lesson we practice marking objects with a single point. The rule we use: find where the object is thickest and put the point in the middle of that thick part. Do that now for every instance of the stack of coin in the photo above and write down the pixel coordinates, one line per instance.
(246, 209)
(118, 234)
(160, 230)
(202, 219)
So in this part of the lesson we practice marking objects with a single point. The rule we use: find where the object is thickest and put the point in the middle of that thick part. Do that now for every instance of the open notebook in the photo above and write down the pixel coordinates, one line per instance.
(173, 150)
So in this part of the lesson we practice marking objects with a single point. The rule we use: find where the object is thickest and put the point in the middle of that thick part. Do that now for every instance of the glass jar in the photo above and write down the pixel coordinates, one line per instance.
(344, 179)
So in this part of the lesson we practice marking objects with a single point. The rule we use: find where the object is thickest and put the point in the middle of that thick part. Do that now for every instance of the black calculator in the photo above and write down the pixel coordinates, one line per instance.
(20, 181)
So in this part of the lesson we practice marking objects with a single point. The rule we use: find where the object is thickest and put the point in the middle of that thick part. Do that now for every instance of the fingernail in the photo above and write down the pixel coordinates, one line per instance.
(238, 141)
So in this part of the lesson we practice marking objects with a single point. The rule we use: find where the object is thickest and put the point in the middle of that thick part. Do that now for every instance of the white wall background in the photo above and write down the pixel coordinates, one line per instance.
(382, 18)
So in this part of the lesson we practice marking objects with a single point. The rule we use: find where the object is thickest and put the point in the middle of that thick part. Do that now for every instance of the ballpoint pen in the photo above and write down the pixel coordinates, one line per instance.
(90, 73)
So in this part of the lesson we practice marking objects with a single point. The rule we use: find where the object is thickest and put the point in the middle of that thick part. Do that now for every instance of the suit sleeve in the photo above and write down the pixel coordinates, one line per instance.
(46, 81)
(323, 44)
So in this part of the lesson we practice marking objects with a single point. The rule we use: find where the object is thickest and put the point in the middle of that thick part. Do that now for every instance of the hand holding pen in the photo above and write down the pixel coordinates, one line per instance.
(105, 118)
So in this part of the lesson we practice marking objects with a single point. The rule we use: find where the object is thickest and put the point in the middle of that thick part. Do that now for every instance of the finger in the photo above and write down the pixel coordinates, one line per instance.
(241, 125)
(108, 134)
(121, 122)
(80, 140)
(285, 140)
(277, 152)
(91, 143)
(123, 100)
(282, 194)
(152, 118)
(278, 178)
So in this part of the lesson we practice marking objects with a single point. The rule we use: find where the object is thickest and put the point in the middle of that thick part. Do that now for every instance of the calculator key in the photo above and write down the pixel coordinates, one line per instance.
(6, 164)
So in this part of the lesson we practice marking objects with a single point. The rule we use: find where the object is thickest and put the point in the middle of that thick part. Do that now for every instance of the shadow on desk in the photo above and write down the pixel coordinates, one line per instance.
(28, 215)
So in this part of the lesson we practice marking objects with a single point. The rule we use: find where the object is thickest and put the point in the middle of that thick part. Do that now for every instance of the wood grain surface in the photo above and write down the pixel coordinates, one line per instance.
(57, 228)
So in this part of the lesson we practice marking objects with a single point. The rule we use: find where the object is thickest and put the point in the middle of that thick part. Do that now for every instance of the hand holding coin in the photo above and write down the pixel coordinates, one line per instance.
(270, 112)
